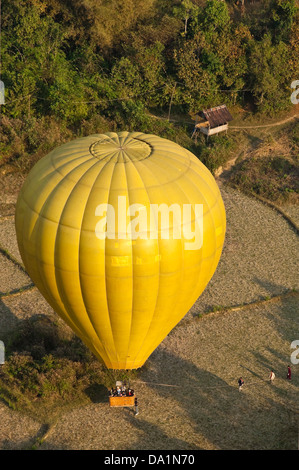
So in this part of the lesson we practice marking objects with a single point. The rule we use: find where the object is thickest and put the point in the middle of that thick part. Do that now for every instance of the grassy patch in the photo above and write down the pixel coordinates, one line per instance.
(49, 370)
(217, 150)
(24, 142)
(272, 170)
(274, 178)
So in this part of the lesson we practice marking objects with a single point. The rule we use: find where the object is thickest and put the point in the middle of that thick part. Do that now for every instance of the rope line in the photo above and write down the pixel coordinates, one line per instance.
(166, 85)
(205, 388)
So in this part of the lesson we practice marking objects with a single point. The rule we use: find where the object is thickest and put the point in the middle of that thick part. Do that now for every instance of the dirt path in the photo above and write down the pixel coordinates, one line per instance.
(259, 126)
(289, 211)
(273, 124)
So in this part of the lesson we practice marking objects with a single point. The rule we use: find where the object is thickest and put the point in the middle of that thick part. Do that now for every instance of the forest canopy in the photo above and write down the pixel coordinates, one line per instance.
(73, 59)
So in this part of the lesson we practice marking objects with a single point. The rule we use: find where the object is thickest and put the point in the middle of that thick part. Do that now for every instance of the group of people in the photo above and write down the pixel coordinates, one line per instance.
(271, 378)
(121, 392)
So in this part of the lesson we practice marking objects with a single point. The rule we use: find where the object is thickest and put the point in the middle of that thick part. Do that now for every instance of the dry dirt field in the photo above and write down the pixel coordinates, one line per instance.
(188, 394)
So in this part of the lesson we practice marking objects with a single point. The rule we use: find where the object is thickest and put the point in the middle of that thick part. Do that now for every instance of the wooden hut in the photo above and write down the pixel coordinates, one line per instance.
(212, 121)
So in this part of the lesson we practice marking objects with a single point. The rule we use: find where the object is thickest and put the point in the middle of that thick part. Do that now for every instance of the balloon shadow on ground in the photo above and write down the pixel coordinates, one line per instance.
(31, 443)
(208, 402)
(271, 287)
(154, 438)
(219, 414)
(97, 393)
(7, 319)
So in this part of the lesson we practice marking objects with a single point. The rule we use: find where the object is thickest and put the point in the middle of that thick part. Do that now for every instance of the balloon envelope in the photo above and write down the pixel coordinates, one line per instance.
(121, 233)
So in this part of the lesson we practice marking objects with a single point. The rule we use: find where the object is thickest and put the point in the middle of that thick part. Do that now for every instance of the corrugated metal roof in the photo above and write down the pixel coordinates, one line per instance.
(217, 116)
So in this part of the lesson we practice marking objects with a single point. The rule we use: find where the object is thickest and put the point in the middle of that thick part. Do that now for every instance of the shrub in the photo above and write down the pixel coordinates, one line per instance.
(48, 368)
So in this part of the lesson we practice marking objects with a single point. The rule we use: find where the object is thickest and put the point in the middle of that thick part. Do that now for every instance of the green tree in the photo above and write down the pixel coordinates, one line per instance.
(269, 78)
(108, 22)
(293, 49)
(214, 17)
(214, 59)
(282, 16)
(40, 78)
(199, 83)
(186, 11)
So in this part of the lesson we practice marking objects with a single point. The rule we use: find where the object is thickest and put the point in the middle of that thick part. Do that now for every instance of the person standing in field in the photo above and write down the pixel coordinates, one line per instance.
(136, 406)
(241, 383)
(272, 377)
(289, 374)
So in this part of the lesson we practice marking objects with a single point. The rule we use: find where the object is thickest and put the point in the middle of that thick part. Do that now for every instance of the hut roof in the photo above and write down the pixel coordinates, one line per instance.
(217, 116)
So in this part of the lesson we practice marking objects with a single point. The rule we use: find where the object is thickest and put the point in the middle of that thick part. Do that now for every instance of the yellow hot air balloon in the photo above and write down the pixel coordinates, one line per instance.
(121, 233)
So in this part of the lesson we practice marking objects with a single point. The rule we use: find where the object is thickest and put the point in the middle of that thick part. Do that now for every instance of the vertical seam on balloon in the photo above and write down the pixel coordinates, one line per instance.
(117, 357)
(57, 169)
(159, 277)
(158, 290)
(57, 230)
(128, 138)
(103, 343)
(115, 349)
(97, 333)
(74, 169)
(134, 165)
(176, 182)
(132, 250)
(210, 208)
(38, 264)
